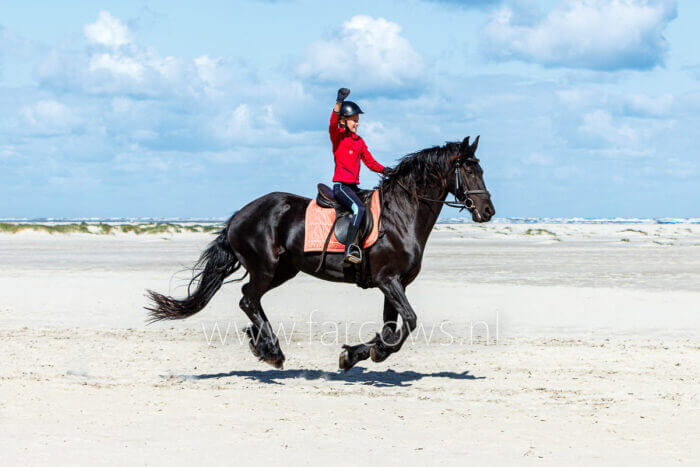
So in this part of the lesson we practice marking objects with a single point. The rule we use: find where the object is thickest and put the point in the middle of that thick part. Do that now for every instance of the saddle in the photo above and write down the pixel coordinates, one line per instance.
(343, 214)
(326, 226)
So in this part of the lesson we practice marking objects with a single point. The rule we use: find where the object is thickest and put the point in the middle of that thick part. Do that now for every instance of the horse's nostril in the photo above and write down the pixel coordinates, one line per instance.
(488, 211)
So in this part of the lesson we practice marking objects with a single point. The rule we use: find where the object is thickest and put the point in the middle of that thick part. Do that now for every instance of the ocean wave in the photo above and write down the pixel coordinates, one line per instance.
(451, 220)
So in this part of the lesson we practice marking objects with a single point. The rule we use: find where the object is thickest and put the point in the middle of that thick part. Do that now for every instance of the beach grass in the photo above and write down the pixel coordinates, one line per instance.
(540, 232)
(59, 228)
(634, 231)
(108, 229)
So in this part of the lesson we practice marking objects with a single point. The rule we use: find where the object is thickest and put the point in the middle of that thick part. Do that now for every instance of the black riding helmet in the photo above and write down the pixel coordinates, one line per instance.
(349, 108)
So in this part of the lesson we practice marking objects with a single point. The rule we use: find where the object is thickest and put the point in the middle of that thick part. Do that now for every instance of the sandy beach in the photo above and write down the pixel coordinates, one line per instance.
(538, 343)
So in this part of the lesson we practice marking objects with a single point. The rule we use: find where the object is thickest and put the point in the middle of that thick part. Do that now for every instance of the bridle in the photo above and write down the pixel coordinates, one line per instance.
(461, 190)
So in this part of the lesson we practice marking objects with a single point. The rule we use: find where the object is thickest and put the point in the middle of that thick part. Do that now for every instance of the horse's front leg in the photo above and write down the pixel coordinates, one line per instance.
(352, 354)
(391, 340)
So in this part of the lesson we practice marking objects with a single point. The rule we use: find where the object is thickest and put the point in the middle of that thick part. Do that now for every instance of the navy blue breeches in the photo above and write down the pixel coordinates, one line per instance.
(346, 194)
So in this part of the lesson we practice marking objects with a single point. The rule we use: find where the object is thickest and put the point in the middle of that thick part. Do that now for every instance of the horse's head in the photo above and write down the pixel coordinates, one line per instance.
(466, 182)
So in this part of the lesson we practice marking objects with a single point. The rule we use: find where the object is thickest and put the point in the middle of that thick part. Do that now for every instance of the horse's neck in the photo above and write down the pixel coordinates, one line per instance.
(420, 217)
(428, 212)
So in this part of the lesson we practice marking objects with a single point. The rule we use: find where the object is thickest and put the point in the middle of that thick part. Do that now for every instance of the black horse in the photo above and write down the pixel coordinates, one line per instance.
(266, 237)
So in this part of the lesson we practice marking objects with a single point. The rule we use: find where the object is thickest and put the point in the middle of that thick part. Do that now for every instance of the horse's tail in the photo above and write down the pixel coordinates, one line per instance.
(217, 262)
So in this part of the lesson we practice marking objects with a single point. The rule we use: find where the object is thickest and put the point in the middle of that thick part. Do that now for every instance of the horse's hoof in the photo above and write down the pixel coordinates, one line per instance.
(378, 354)
(344, 361)
(278, 362)
(373, 354)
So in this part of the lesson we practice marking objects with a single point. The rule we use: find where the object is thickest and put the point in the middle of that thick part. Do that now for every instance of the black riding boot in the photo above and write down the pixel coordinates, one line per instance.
(353, 253)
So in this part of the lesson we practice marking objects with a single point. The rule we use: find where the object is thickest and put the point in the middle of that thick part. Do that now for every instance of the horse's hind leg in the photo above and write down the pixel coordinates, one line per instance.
(263, 342)
(352, 354)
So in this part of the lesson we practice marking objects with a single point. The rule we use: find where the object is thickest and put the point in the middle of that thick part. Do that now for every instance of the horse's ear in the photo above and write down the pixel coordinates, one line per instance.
(464, 146)
(476, 143)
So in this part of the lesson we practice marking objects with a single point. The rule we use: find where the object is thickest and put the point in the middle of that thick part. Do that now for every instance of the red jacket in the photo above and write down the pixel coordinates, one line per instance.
(348, 149)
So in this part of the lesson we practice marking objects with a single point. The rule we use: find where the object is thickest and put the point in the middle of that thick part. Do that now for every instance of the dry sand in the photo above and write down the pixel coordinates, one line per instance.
(591, 356)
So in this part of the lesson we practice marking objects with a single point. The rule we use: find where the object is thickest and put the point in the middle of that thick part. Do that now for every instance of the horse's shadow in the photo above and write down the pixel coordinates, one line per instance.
(357, 375)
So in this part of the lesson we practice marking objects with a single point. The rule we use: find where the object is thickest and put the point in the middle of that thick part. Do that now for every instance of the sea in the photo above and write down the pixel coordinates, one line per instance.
(442, 220)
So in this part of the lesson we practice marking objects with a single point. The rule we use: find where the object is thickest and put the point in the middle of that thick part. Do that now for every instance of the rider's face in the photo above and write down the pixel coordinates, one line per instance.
(352, 122)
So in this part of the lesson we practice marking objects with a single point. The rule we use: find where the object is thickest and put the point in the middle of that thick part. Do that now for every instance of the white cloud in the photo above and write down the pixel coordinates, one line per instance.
(13, 44)
(257, 126)
(215, 75)
(681, 168)
(208, 69)
(122, 105)
(623, 136)
(120, 65)
(107, 31)
(367, 51)
(49, 117)
(165, 103)
(642, 104)
(117, 66)
(625, 104)
(600, 124)
(595, 34)
(387, 138)
(468, 3)
(117, 72)
(142, 72)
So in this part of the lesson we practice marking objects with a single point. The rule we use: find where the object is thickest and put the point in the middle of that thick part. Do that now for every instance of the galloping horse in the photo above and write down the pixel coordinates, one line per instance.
(266, 237)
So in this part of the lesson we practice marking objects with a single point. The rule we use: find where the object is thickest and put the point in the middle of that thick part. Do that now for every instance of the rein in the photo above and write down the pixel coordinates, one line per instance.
(466, 192)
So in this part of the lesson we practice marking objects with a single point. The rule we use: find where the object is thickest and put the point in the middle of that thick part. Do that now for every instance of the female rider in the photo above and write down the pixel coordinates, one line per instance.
(348, 149)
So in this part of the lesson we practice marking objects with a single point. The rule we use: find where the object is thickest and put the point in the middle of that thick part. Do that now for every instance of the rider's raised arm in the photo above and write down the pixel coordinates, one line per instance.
(333, 129)
(335, 116)
(369, 160)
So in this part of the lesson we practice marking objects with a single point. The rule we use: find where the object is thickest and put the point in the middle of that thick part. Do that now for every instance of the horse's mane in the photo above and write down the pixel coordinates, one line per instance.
(414, 171)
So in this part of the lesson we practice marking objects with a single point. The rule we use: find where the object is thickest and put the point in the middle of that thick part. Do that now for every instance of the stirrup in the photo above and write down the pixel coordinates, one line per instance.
(353, 254)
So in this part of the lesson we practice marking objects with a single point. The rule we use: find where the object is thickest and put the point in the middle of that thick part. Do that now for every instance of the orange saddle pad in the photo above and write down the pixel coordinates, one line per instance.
(319, 220)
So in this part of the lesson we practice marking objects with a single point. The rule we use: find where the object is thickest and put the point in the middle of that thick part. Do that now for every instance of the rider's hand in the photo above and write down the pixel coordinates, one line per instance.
(343, 93)
(387, 171)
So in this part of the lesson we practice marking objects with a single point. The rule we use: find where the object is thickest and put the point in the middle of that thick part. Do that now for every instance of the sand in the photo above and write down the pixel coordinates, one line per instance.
(591, 355)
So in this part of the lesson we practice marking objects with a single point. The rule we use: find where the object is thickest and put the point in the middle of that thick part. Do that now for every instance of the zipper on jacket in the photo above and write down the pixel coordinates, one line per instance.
(348, 171)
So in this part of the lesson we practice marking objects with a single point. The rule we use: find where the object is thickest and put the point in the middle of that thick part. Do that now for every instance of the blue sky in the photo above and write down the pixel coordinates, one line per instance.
(585, 107)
